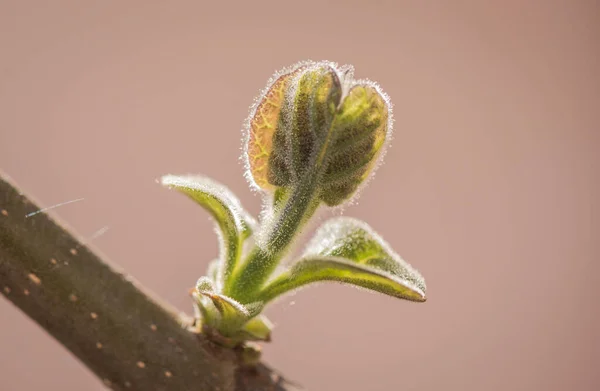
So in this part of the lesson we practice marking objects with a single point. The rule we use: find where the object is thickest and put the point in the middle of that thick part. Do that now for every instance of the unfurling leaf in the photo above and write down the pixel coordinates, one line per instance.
(349, 251)
(358, 136)
(262, 124)
(234, 222)
(315, 124)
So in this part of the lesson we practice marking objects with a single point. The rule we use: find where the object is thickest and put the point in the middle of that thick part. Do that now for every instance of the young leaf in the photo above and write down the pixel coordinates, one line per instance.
(229, 316)
(315, 100)
(265, 163)
(359, 132)
(234, 222)
(202, 303)
(347, 250)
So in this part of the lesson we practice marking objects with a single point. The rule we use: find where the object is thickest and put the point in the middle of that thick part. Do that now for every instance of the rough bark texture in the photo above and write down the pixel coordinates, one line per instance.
(129, 339)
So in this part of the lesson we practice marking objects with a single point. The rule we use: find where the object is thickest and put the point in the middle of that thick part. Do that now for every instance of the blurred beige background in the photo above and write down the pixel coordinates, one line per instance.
(491, 187)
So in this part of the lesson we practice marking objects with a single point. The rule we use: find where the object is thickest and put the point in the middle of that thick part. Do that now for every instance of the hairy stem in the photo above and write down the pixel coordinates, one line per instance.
(261, 261)
(129, 339)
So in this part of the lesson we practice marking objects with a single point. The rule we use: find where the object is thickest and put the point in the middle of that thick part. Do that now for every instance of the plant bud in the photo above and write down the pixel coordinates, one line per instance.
(314, 120)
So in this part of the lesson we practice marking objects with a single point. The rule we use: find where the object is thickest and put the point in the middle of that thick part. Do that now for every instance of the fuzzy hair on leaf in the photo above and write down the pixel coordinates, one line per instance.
(233, 221)
(354, 239)
(347, 250)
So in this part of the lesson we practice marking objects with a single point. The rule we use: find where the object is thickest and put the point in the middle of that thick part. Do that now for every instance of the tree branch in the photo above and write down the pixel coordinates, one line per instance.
(129, 339)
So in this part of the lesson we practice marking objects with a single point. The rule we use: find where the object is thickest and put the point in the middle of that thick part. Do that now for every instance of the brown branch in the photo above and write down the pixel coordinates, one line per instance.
(129, 339)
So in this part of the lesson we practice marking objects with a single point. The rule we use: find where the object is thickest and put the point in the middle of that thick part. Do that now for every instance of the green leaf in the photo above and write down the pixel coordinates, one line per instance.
(315, 99)
(349, 251)
(234, 222)
(202, 303)
(358, 134)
